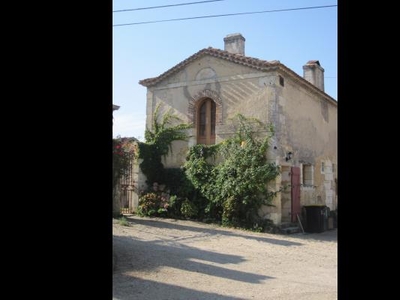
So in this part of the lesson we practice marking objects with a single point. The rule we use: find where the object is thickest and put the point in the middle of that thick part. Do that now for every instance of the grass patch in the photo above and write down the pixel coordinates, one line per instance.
(123, 221)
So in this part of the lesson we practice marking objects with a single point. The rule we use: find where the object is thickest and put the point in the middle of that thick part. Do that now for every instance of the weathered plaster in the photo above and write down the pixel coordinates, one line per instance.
(305, 122)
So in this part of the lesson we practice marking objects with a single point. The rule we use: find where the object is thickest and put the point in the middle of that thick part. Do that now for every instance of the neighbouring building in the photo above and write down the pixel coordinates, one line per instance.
(212, 85)
(115, 107)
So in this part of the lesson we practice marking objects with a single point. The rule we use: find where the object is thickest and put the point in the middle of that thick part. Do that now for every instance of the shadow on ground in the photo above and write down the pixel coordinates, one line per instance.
(134, 254)
(130, 288)
(148, 257)
(160, 223)
(325, 236)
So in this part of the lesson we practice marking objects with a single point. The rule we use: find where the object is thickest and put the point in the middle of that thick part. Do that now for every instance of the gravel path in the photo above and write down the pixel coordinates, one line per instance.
(174, 259)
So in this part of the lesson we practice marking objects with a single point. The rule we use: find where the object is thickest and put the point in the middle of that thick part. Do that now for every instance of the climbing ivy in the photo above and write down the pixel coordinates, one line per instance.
(158, 143)
(237, 186)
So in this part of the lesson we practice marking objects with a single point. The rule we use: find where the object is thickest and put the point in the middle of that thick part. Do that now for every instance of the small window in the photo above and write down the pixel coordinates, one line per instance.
(322, 167)
(333, 168)
(281, 81)
(206, 122)
(308, 175)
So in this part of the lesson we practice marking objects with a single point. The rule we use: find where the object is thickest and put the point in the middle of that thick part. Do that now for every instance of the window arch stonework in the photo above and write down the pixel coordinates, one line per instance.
(197, 99)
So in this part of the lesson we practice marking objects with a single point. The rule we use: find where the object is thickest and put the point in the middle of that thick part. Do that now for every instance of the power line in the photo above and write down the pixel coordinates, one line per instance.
(226, 15)
(163, 6)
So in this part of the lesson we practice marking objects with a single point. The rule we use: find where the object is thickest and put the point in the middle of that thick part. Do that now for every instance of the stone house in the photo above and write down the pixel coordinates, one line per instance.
(212, 85)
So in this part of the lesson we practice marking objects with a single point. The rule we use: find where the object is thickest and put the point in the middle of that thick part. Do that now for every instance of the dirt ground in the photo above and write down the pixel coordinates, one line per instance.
(175, 259)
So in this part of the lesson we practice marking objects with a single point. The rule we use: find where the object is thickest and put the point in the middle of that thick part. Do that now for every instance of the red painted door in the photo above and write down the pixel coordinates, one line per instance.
(295, 183)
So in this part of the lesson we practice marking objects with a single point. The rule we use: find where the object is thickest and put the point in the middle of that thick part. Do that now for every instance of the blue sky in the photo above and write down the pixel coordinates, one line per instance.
(146, 50)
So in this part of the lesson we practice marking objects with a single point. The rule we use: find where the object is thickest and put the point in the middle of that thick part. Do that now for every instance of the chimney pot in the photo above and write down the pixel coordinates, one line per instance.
(314, 73)
(234, 43)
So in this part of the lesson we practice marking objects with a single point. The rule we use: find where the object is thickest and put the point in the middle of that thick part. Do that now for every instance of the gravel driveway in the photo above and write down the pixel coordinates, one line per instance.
(175, 259)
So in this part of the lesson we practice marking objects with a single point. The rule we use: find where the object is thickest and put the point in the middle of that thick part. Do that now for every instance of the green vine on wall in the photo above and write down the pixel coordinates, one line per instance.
(226, 182)
(237, 185)
(158, 143)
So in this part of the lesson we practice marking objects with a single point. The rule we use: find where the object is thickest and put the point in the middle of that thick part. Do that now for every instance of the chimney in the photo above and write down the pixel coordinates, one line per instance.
(314, 73)
(234, 43)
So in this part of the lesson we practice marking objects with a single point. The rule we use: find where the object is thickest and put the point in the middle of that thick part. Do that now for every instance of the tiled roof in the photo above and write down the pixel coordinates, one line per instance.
(236, 58)
(258, 64)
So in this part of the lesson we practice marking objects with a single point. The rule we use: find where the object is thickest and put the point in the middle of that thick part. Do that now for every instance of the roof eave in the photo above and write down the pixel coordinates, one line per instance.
(251, 62)
(225, 55)
(305, 82)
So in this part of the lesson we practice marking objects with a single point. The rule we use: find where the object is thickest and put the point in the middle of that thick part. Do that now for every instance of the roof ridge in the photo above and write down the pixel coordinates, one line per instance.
(237, 58)
(252, 62)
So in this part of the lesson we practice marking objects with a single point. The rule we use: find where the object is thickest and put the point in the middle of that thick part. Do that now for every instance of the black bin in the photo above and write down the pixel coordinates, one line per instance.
(316, 218)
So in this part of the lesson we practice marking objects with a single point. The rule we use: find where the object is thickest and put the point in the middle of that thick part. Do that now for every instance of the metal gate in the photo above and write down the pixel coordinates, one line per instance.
(295, 183)
(127, 186)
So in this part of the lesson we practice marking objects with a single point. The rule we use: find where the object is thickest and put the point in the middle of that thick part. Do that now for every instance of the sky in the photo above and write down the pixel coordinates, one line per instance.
(293, 34)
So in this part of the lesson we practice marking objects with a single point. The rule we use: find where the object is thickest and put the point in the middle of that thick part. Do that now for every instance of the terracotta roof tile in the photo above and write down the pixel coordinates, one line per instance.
(261, 65)
(236, 58)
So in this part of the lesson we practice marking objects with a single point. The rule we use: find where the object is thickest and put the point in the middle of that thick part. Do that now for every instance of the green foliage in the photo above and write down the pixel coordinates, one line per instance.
(164, 131)
(198, 169)
(188, 209)
(151, 165)
(224, 183)
(153, 203)
(178, 184)
(159, 142)
(123, 221)
(174, 209)
(124, 151)
(237, 185)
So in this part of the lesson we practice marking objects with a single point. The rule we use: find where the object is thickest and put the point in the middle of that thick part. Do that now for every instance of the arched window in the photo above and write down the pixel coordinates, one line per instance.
(206, 122)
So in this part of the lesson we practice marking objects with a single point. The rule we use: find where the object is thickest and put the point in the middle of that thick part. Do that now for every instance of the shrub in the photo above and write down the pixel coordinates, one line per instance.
(153, 203)
(237, 185)
(188, 209)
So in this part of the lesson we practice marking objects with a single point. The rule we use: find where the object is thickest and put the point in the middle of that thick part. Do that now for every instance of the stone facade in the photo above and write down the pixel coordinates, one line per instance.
(303, 115)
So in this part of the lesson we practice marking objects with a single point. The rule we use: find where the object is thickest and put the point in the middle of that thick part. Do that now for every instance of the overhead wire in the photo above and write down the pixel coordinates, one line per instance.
(163, 6)
(226, 15)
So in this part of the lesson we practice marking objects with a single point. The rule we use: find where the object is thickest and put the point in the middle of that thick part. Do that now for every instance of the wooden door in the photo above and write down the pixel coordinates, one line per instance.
(295, 183)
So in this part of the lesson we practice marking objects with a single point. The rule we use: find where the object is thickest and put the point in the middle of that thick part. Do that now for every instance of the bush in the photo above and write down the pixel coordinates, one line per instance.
(153, 203)
(238, 184)
(188, 209)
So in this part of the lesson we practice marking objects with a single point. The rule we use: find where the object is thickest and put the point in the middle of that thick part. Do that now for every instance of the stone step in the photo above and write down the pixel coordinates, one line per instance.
(289, 230)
